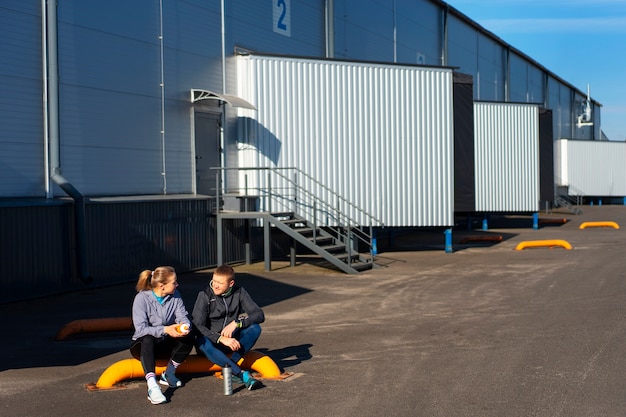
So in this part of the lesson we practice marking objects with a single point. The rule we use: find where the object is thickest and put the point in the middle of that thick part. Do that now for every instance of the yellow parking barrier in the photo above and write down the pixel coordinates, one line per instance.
(110, 324)
(131, 369)
(543, 243)
(599, 224)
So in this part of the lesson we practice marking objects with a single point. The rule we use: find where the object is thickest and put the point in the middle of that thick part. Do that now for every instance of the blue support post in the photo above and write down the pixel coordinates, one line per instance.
(485, 222)
(448, 234)
(535, 221)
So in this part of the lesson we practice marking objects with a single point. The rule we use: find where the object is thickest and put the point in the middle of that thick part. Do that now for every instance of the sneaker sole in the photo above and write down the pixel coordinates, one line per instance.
(157, 402)
(167, 384)
(253, 385)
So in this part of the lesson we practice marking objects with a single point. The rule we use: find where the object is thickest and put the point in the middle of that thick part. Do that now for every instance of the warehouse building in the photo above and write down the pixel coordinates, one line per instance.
(135, 134)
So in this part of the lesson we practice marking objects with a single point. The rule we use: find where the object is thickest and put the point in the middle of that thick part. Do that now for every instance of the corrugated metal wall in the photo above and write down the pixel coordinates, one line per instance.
(379, 135)
(172, 232)
(593, 168)
(34, 242)
(38, 245)
(507, 157)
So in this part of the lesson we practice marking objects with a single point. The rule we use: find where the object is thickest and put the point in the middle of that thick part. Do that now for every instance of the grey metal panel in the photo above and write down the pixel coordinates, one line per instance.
(490, 77)
(125, 235)
(114, 145)
(34, 242)
(104, 60)
(418, 20)
(592, 168)
(507, 157)
(364, 32)
(250, 26)
(379, 135)
(463, 46)
(21, 128)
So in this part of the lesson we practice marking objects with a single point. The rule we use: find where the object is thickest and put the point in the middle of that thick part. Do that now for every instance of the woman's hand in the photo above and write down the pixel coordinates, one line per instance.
(172, 331)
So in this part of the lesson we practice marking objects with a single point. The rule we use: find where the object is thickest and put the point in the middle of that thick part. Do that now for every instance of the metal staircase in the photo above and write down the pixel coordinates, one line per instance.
(562, 198)
(323, 222)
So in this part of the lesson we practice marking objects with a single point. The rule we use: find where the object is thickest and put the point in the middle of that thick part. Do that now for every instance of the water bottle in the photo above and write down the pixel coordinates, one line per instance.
(227, 374)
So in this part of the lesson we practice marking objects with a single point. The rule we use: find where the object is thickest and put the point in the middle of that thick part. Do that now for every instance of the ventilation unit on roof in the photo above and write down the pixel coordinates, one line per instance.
(584, 119)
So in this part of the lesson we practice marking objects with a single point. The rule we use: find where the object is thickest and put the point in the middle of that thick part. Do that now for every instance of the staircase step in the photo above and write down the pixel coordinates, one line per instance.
(333, 248)
(281, 214)
(322, 240)
(329, 247)
(362, 266)
(294, 222)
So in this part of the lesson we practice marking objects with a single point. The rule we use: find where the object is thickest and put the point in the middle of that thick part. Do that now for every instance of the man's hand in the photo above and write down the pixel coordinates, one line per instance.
(231, 342)
(229, 330)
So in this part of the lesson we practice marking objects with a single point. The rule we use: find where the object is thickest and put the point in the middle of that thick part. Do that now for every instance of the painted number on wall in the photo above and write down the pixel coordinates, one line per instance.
(282, 17)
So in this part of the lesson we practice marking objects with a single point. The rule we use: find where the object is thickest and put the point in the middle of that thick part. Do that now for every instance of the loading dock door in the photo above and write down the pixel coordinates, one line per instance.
(207, 138)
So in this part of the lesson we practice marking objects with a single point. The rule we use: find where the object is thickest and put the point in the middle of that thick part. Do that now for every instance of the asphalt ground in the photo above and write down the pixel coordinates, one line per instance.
(485, 331)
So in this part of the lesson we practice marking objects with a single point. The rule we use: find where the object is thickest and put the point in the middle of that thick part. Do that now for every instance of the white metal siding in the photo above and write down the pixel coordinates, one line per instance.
(592, 168)
(507, 157)
(379, 135)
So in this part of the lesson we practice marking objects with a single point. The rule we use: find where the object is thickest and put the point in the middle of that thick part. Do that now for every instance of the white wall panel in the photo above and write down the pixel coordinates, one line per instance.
(591, 168)
(379, 135)
(507, 157)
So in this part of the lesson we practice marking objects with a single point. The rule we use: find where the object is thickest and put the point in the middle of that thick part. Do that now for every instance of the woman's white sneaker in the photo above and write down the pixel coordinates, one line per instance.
(155, 396)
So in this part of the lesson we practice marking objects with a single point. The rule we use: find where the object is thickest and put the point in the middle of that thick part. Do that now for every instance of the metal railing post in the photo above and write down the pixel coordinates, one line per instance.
(315, 222)
(349, 237)
(295, 192)
(269, 191)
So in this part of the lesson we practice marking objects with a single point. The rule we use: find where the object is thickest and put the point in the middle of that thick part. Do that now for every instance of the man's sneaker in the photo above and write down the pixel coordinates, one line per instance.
(170, 380)
(235, 379)
(249, 381)
(155, 396)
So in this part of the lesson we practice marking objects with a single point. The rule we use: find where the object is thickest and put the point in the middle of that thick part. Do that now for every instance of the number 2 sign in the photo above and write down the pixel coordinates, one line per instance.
(282, 17)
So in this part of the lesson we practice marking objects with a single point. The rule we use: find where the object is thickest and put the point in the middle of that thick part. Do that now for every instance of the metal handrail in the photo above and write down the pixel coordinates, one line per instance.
(578, 194)
(577, 191)
(293, 196)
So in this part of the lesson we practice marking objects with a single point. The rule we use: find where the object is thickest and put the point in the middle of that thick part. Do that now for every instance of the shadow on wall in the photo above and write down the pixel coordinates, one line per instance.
(255, 137)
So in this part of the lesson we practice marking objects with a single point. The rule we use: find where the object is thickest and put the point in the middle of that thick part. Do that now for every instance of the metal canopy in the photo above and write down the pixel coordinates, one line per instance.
(197, 95)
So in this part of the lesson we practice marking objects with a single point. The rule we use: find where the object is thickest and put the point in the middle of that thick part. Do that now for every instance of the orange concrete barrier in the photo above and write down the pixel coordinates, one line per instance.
(552, 221)
(131, 369)
(94, 325)
(543, 243)
(487, 238)
(584, 225)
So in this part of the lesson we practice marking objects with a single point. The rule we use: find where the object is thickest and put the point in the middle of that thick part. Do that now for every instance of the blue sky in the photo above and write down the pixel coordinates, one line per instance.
(581, 41)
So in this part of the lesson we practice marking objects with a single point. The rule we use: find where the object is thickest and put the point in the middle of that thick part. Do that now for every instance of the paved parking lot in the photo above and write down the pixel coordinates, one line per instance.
(484, 331)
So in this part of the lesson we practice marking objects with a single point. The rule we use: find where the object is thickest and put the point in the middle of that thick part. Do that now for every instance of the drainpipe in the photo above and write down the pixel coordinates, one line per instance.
(162, 85)
(330, 28)
(51, 84)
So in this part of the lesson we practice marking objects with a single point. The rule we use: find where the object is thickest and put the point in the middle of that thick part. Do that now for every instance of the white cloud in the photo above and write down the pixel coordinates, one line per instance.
(556, 25)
